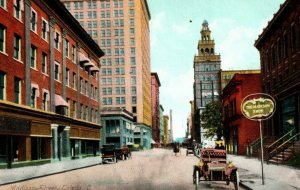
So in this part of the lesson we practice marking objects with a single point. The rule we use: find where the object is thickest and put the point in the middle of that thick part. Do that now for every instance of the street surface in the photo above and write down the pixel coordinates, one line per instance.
(151, 169)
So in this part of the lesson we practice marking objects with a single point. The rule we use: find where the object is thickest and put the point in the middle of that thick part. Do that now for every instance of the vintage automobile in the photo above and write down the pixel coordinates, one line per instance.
(213, 166)
(109, 153)
(189, 149)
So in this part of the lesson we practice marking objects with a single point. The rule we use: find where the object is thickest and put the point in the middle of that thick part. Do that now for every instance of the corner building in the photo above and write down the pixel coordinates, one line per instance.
(49, 85)
(121, 27)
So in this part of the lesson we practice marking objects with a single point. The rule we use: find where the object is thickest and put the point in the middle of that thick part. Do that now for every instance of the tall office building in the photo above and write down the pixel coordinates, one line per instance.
(121, 28)
(206, 75)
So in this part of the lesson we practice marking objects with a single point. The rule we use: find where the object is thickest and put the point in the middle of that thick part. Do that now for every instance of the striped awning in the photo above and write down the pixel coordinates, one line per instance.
(59, 101)
(83, 58)
(94, 69)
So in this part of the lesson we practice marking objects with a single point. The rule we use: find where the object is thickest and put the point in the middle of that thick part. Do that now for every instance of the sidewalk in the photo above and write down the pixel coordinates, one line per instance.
(8, 176)
(276, 177)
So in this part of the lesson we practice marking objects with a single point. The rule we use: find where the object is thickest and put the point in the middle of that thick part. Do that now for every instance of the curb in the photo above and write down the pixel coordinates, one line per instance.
(49, 174)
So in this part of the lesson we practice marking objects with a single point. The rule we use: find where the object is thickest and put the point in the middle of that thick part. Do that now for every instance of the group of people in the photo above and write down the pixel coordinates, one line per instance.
(221, 146)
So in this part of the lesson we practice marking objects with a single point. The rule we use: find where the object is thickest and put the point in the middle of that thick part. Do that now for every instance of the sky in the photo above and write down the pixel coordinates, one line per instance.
(175, 27)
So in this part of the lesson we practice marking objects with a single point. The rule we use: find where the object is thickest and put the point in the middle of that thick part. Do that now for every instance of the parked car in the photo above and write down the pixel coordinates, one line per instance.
(109, 153)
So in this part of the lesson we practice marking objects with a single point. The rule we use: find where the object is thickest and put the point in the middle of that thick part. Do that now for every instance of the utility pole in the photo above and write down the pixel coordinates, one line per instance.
(171, 127)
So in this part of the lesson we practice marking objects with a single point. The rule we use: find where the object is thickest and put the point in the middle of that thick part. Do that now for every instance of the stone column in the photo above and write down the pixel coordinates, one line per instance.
(79, 148)
(27, 12)
(54, 142)
(66, 142)
(51, 56)
(141, 136)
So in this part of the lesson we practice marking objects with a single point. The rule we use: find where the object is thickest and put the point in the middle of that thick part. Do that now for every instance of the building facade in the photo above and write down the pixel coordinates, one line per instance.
(239, 132)
(166, 130)
(161, 124)
(206, 76)
(49, 94)
(279, 47)
(122, 29)
(117, 127)
(155, 84)
(192, 130)
(226, 75)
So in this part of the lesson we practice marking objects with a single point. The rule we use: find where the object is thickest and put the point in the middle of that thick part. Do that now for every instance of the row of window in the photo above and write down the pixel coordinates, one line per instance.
(35, 93)
(118, 51)
(117, 42)
(207, 68)
(285, 45)
(229, 109)
(93, 4)
(118, 80)
(44, 60)
(118, 90)
(118, 100)
(118, 71)
(118, 61)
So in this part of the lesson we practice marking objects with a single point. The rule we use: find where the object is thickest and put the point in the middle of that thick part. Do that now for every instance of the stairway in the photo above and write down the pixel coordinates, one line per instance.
(286, 154)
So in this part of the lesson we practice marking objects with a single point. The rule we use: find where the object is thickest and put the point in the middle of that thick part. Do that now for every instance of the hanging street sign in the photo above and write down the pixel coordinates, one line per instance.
(258, 106)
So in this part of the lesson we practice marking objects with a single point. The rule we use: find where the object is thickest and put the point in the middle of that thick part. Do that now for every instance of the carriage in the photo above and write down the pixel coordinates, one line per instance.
(213, 166)
(176, 148)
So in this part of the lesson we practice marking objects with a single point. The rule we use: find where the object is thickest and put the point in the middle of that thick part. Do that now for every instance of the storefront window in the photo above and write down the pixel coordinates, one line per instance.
(288, 107)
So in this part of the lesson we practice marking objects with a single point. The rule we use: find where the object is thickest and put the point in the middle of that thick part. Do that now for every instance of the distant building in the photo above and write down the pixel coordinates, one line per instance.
(166, 129)
(192, 131)
(206, 76)
(118, 127)
(122, 29)
(49, 85)
(161, 123)
(239, 131)
(279, 47)
(226, 75)
(155, 84)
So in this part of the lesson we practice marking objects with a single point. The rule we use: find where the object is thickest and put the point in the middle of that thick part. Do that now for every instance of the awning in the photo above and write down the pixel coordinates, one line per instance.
(88, 64)
(83, 58)
(137, 130)
(94, 69)
(59, 101)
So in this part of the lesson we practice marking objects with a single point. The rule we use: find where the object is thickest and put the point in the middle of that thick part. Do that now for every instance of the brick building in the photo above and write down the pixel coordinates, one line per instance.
(49, 84)
(279, 48)
(155, 84)
(239, 131)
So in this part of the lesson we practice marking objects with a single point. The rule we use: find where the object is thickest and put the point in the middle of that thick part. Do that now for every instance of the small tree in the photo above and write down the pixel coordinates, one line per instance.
(211, 120)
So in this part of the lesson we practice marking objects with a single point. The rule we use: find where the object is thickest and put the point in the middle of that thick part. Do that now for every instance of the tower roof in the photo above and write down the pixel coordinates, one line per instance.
(205, 23)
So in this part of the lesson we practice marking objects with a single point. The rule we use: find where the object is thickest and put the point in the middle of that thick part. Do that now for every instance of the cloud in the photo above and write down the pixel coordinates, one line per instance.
(182, 28)
(157, 25)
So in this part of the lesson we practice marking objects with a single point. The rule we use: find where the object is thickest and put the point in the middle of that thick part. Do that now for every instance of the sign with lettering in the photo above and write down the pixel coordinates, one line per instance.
(258, 106)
